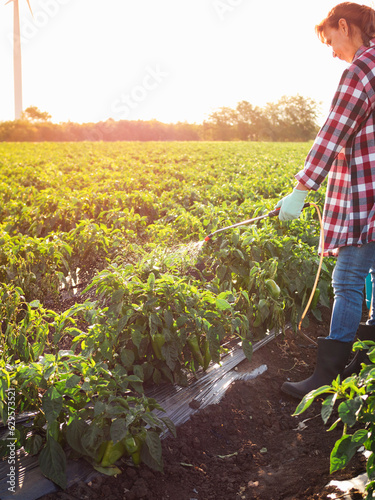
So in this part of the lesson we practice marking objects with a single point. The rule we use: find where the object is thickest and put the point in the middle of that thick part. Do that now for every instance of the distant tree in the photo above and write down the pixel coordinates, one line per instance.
(224, 121)
(252, 124)
(33, 114)
(289, 119)
(293, 118)
(17, 131)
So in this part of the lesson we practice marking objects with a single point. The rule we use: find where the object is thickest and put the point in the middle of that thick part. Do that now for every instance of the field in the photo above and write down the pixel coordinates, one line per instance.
(107, 286)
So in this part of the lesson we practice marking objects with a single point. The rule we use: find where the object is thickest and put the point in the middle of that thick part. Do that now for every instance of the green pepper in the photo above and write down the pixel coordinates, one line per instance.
(101, 451)
(131, 445)
(193, 344)
(258, 320)
(136, 457)
(157, 342)
(112, 453)
(206, 354)
(315, 298)
(139, 439)
(262, 304)
(273, 288)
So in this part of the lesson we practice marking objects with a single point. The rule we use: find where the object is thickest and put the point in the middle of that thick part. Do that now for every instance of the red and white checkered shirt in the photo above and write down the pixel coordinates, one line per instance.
(344, 149)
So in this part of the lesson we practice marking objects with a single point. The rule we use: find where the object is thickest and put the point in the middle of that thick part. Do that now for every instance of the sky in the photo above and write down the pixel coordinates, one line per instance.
(170, 60)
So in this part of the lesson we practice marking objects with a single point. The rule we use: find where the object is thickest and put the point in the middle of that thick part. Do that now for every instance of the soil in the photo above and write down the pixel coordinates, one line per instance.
(249, 446)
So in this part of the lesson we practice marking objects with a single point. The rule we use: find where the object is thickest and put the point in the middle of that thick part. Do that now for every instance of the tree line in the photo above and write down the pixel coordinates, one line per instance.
(292, 118)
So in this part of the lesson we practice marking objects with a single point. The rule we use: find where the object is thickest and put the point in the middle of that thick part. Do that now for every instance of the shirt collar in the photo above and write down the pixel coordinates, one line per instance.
(363, 49)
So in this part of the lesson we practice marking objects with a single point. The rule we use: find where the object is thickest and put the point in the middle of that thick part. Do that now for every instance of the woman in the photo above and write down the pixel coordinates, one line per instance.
(344, 150)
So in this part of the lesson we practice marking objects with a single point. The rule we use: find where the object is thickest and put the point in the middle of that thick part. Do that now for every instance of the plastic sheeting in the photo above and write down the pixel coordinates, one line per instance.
(31, 484)
(357, 483)
(180, 403)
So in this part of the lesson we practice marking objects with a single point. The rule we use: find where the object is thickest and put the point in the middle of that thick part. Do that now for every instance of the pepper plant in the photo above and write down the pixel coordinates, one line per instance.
(356, 409)
(162, 327)
(78, 407)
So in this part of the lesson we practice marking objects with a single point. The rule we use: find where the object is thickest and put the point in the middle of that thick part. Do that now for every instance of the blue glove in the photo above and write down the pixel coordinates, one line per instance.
(291, 206)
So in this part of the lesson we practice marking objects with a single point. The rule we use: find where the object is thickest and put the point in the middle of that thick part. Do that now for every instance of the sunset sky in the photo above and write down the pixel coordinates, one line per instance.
(173, 60)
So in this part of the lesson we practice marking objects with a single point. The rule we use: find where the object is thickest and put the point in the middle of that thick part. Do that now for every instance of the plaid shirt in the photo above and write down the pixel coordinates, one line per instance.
(344, 149)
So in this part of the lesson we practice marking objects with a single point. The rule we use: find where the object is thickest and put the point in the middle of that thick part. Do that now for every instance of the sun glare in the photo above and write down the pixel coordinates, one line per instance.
(171, 61)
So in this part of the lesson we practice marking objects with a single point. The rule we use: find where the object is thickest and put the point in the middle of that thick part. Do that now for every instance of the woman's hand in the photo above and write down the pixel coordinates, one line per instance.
(291, 206)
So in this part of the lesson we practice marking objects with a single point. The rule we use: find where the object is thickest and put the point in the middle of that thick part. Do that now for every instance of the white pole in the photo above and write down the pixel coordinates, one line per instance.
(17, 62)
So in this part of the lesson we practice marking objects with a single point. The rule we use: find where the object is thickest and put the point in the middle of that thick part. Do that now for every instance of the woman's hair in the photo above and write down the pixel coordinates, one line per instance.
(361, 16)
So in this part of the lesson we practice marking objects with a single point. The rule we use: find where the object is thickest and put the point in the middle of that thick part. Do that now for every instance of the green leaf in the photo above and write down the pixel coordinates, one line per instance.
(118, 295)
(138, 372)
(370, 467)
(136, 338)
(370, 487)
(172, 428)
(153, 421)
(181, 321)
(246, 295)
(52, 463)
(34, 444)
(342, 453)
(235, 238)
(221, 271)
(99, 407)
(35, 304)
(4, 386)
(317, 313)
(371, 355)
(168, 318)
(348, 410)
(49, 371)
(122, 323)
(118, 430)
(74, 432)
(151, 281)
(247, 348)
(52, 402)
(170, 353)
(92, 438)
(308, 399)
(72, 381)
(214, 344)
(327, 407)
(154, 322)
(151, 453)
(132, 378)
(156, 376)
(222, 304)
(360, 436)
(127, 357)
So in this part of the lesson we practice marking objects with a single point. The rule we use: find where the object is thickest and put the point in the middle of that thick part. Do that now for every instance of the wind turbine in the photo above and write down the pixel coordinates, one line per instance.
(17, 62)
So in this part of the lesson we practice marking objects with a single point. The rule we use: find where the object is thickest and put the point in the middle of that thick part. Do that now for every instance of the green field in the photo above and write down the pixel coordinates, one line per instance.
(106, 286)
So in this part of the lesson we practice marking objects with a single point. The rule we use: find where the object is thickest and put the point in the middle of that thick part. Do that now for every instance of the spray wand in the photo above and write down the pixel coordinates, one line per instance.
(273, 213)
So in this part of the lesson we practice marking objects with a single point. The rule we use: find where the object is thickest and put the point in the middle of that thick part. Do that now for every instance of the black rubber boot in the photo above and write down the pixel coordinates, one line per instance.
(331, 359)
(364, 332)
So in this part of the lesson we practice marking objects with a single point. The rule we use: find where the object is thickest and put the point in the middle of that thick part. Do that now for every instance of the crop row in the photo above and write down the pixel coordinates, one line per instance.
(126, 221)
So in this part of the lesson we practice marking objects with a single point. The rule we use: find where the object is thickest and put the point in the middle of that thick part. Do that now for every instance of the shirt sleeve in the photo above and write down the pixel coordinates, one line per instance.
(350, 107)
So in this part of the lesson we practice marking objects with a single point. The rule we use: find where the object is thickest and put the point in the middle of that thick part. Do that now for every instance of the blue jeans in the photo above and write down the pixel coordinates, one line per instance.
(348, 281)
